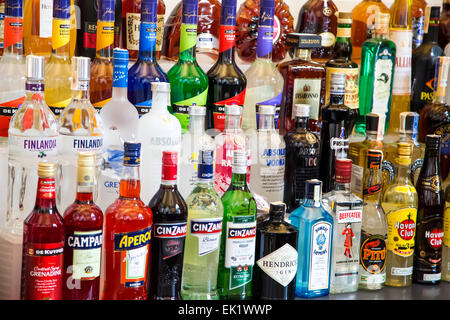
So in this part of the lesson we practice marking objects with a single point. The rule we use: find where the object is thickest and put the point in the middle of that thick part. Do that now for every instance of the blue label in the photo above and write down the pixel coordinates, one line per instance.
(120, 75)
(149, 11)
(61, 9)
(115, 160)
(132, 240)
(14, 8)
(106, 10)
(228, 15)
(143, 107)
(84, 241)
(189, 12)
(147, 39)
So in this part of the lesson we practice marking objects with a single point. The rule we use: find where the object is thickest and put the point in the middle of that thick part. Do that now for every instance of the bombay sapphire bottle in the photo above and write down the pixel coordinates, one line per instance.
(315, 233)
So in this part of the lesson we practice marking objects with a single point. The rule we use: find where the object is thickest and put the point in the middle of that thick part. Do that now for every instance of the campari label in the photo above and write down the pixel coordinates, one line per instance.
(86, 249)
(401, 231)
(208, 233)
(172, 236)
(319, 263)
(281, 264)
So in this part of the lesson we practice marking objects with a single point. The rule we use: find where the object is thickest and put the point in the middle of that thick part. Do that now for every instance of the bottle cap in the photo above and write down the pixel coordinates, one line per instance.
(409, 122)
(239, 162)
(160, 86)
(131, 153)
(233, 109)
(169, 158)
(47, 169)
(302, 110)
(303, 40)
(86, 168)
(337, 84)
(169, 165)
(35, 67)
(205, 164)
(86, 159)
(404, 151)
(61, 9)
(196, 110)
(372, 120)
(313, 189)
(433, 141)
(345, 17)
(81, 68)
(265, 109)
(277, 208)
(343, 171)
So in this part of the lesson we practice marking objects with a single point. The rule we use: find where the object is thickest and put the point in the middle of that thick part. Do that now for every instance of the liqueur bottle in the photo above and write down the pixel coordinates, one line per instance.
(372, 253)
(376, 74)
(268, 154)
(445, 270)
(237, 249)
(302, 158)
(276, 256)
(363, 26)
(400, 206)
(320, 17)
(424, 61)
(126, 236)
(43, 242)
(401, 33)
(158, 131)
(188, 82)
(146, 69)
(418, 22)
(83, 225)
(226, 81)
(315, 236)
(80, 129)
(168, 233)
(57, 69)
(38, 31)
(444, 26)
(430, 213)
(346, 210)
(2, 26)
(102, 65)
(305, 82)
(265, 83)
(203, 234)
(120, 122)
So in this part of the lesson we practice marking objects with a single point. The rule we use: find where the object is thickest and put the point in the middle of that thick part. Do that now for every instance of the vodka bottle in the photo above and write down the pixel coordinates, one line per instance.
(158, 131)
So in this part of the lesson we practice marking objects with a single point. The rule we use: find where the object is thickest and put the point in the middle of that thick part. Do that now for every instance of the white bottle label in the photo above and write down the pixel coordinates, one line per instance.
(240, 242)
(208, 232)
(45, 18)
(319, 267)
(432, 277)
(272, 163)
(32, 147)
(74, 144)
(382, 84)
(401, 271)
(86, 253)
(403, 58)
(207, 41)
(348, 216)
(307, 91)
(357, 179)
(280, 265)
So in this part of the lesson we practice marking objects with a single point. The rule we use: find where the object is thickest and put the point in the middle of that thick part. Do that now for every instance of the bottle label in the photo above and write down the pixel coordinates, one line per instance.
(429, 240)
(357, 179)
(86, 246)
(172, 236)
(351, 98)
(328, 39)
(431, 183)
(46, 188)
(307, 91)
(264, 41)
(402, 75)
(447, 226)
(402, 272)
(418, 24)
(348, 216)
(13, 31)
(45, 18)
(344, 32)
(188, 36)
(319, 265)
(227, 37)
(149, 33)
(105, 34)
(43, 273)
(89, 29)
(372, 255)
(74, 144)
(2, 24)
(271, 164)
(383, 77)
(32, 147)
(219, 109)
(276, 102)
(207, 41)
(401, 231)
(199, 100)
(444, 132)
(159, 31)
(133, 21)
(208, 232)
(61, 33)
(281, 264)
(134, 248)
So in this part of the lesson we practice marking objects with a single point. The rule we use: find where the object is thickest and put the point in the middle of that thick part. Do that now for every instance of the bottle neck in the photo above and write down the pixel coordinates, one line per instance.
(403, 173)
(303, 54)
(196, 124)
(15, 49)
(105, 39)
(301, 122)
(266, 122)
(160, 101)
(408, 136)
(372, 185)
(46, 195)
(60, 39)
(85, 194)
(80, 95)
(188, 34)
(343, 46)
(277, 217)
(433, 31)
(34, 90)
(264, 42)
(130, 184)
(239, 180)
(119, 93)
(342, 186)
(147, 46)
(233, 122)
(311, 203)
(337, 99)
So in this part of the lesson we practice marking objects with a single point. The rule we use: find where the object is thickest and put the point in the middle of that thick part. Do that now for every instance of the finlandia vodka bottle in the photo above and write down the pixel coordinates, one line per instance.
(192, 142)
(120, 122)
(32, 137)
(158, 131)
(81, 129)
(201, 253)
(268, 157)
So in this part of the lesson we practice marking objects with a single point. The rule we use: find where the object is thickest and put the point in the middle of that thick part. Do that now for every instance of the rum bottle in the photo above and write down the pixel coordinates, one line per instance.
(445, 270)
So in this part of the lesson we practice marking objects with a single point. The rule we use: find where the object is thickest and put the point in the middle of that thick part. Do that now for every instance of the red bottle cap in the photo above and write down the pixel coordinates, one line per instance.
(169, 165)
(343, 172)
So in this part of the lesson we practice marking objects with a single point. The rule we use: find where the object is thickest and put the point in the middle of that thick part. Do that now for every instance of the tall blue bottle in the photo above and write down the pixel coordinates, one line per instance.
(146, 69)
(315, 233)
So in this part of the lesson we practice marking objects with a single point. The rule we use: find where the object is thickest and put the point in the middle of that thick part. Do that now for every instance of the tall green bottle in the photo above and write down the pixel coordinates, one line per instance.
(237, 250)
(188, 82)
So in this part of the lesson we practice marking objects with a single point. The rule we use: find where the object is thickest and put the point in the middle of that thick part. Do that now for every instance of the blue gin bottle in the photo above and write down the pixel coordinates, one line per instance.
(315, 233)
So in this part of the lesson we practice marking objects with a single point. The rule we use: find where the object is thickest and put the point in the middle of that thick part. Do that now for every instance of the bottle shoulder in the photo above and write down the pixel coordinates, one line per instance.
(128, 210)
(80, 118)
(145, 71)
(83, 213)
(34, 118)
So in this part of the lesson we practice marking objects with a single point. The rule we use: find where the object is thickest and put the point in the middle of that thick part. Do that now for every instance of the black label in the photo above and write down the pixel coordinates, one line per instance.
(373, 252)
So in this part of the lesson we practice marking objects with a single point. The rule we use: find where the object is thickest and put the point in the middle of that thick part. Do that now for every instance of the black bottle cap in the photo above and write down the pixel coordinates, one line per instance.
(313, 189)
(277, 208)
(303, 40)
(433, 141)
(435, 12)
(372, 120)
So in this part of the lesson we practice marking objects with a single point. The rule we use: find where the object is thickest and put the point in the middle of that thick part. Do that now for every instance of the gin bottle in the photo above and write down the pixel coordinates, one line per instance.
(315, 234)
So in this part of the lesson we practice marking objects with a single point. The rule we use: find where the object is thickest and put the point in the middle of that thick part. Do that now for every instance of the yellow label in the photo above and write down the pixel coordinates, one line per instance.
(60, 33)
(351, 98)
(447, 225)
(105, 34)
(401, 231)
(344, 33)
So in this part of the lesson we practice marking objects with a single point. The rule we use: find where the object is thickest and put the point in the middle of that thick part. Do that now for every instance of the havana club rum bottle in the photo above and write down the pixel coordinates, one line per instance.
(445, 269)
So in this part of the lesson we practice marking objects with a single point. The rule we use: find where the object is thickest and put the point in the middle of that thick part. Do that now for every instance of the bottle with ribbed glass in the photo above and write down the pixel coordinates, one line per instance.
(57, 69)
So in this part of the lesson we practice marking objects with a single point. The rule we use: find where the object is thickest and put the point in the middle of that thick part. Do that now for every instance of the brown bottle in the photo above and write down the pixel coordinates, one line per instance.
(429, 226)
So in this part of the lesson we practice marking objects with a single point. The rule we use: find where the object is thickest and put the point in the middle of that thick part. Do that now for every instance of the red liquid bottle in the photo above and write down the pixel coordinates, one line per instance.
(83, 224)
(43, 242)
(126, 236)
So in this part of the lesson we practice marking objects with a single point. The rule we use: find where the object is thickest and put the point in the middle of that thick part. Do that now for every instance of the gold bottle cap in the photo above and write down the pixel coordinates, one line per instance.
(47, 169)
(345, 17)
(404, 151)
(86, 168)
(86, 159)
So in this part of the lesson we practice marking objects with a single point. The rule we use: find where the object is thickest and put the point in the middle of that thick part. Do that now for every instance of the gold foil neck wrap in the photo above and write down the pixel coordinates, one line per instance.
(86, 168)
(404, 151)
(47, 169)
(382, 23)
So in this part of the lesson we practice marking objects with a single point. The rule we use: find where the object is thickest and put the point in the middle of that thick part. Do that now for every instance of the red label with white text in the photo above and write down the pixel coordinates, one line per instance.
(219, 109)
(46, 188)
(13, 31)
(227, 38)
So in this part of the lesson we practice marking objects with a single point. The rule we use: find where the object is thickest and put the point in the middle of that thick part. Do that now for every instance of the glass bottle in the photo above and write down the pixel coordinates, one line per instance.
(2, 26)
(237, 249)
(203, 234)
(146, 69)
(127, 231)
(305, 82)
(418, 22)
(445, 270)
(168, 234)
(38, 33)
(302, 158)
(444, 25)
(276, 256)
(83, 225)
(430, 213)
(315, 236)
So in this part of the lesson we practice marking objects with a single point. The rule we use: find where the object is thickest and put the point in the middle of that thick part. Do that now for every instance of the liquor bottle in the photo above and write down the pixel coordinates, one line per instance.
(158, 131)
(424, 61)
(248, 29)
(444, 26)
(127, 231)
(302, 158)
(237, 249)
(2, 26)
(346, 210)
(363, 26)
(305, 82)
(168, 233)
(226, 82)
(320, 17)
(146, 69)
(265, 83)
(57, 69)
(418, 22)
(102, 65)
(192, 142)
(81, 129)
(445, 270)
(400, 32)
(32, 136)
(372, 253)
(38, 31)
(43, 242)
(376, 74)
(120, 123)
(83, 224)
(315, 236)
(435, 117)
(400, 206)
(12, 67)
(203, 234)
(430, 213)
(276, 256)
